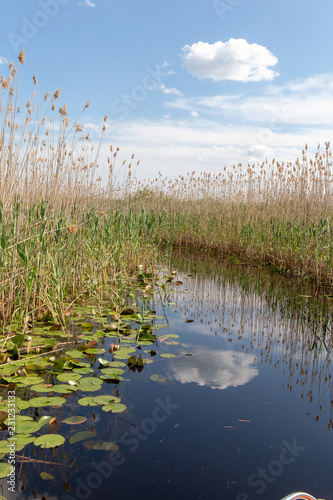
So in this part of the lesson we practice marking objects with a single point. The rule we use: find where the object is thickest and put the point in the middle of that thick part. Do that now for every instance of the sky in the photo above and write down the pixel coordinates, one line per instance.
(187, 85)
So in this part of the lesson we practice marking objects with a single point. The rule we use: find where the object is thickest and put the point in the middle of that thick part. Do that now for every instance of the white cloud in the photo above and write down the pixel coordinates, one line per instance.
(173, 91)
(3, 60)
(233, 60)
(306, 102)
(230, 129)
(214, 369)
(164, 65)
(88, 3)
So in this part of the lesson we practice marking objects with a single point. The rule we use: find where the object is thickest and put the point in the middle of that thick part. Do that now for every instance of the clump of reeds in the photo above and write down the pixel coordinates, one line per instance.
(61, 233)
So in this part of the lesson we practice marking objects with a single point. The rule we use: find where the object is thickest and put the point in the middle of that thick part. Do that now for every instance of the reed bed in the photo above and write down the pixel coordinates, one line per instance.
(62, 235)
(277, 214)
(65, 235)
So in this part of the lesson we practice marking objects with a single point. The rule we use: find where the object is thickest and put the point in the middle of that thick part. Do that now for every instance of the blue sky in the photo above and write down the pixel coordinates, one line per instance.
(187, 85)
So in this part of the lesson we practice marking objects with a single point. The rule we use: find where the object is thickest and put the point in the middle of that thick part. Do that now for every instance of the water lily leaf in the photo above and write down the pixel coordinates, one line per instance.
(87, 326)
(19, 418)
(34, 367)
(18, 340)
(94, 350)
(4, 446)
(81, 436)
(64, 389)
(121, 355)
(158, 378)
(167, 355)
(27, 427)
(49, 441)
(24, 381)
(3, 416)
(42, 388)
(66, 377)
(22, 440)
(105, 400)
(113, 372)
(45, 401)
(101, 445)
(83, 371)
(114, 408)
(75, 420)
(45, 419)
(87, 401)
(46, 476)
(117, 364)
(22, 405)
(89, 384)
(76, 354)
(104, 362)
(5, 469)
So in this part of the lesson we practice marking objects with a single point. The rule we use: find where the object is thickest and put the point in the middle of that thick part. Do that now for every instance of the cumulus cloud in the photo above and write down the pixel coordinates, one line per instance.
(235, 60)
(173, 91)
(3, 60)
(215, 369)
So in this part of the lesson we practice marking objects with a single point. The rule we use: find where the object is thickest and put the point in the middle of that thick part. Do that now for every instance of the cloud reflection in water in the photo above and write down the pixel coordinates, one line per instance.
(214, 369)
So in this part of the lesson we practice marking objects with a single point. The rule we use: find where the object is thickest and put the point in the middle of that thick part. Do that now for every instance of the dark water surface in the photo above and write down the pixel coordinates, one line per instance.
(245, 412)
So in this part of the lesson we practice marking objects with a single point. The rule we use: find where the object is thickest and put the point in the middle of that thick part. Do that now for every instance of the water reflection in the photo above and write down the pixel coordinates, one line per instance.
(280, 322)
(214, 369)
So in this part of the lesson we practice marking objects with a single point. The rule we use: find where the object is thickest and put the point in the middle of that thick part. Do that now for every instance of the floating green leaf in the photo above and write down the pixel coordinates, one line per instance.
(114, 408)
(66, 377)
(46, 476)
(87, 401)
(167, 355)
(81, 436)
(158, 378)
(49, 441)
(41, 388)
(89, 384)
(75, 420)
(105, 400)
(45, 420)
(64, 389)
(27, 427)
(5, 469)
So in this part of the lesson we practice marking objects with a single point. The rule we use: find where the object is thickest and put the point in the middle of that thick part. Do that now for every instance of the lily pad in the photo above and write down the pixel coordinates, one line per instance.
(89, 384)
(105, 400)
(45, 419)
(5, 469)
(88, 401)
(46, 401)
(27, 427)
(75, 420)
(76, 354)
(66, 377)
(64, 389)
(114, 408)
(46, 476)
(94, 350)
(168, 355)
(101, 445)
(158, 378)
(49, 441)
(42, 388)
(81, 436)
(83, 370)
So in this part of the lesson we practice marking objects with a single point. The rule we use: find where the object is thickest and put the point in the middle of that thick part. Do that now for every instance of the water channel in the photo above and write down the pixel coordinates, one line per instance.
(243, 411)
